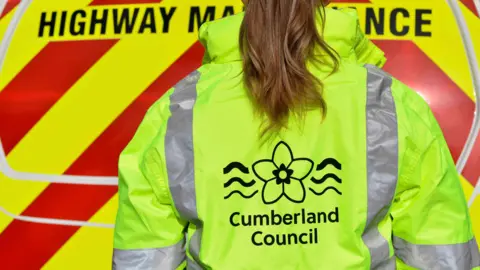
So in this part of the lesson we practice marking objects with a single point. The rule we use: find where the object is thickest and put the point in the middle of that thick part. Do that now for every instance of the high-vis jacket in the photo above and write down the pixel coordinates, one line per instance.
(372, 186)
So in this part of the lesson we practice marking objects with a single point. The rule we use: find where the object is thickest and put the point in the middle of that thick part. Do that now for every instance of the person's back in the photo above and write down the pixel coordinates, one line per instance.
(235, 168)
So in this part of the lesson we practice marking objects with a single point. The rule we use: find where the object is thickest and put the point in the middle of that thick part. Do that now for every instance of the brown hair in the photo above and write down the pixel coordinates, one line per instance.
(278, 38)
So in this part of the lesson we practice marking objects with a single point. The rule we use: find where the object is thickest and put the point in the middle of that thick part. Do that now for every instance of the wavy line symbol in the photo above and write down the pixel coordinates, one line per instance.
(329, 161)
(325, 190)
(240, 181)
(235, 165)
(243, 169)
(325, 178)
(240, 194)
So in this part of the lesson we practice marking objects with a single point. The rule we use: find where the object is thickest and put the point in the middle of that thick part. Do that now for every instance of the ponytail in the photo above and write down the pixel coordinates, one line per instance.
(277, 40)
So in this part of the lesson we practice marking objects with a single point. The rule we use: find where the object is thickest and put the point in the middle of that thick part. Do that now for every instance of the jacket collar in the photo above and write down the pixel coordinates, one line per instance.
(221, 37)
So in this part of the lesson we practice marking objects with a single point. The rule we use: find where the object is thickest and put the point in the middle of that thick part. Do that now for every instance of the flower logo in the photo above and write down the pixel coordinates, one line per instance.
(283, 175)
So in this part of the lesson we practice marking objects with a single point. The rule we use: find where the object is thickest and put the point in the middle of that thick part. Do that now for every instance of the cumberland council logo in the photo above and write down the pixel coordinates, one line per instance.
(283, 176)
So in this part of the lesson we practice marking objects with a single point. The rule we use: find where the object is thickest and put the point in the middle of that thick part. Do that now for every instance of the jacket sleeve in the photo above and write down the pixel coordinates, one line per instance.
(148, 234)
(431, 222)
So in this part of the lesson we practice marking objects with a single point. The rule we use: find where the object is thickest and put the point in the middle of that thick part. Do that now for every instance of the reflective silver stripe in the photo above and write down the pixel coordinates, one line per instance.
(463, 256)
(388, 264)
(179, 155)
(193, 265)
(149, 259)
(382, 162)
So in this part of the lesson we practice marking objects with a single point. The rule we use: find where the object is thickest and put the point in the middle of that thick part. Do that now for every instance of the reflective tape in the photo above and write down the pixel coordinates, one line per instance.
(180, 157)
(464, 256)
(149, 259)
(382, 163)
(193, 265)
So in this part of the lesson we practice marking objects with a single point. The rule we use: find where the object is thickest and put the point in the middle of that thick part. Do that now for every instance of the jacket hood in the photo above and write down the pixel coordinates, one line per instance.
(342, 32)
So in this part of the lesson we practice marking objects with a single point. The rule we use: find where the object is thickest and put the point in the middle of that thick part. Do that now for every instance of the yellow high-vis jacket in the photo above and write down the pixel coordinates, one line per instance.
(372, 186)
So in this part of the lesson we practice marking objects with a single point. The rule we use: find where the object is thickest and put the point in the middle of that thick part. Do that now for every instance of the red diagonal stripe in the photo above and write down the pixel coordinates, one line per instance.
(42, 83)
(470, 5)
(11, 4)
(41, 242)
(453, 109)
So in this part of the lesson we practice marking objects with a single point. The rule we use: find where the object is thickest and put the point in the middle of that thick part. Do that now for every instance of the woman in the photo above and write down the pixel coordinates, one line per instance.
(285, 151)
